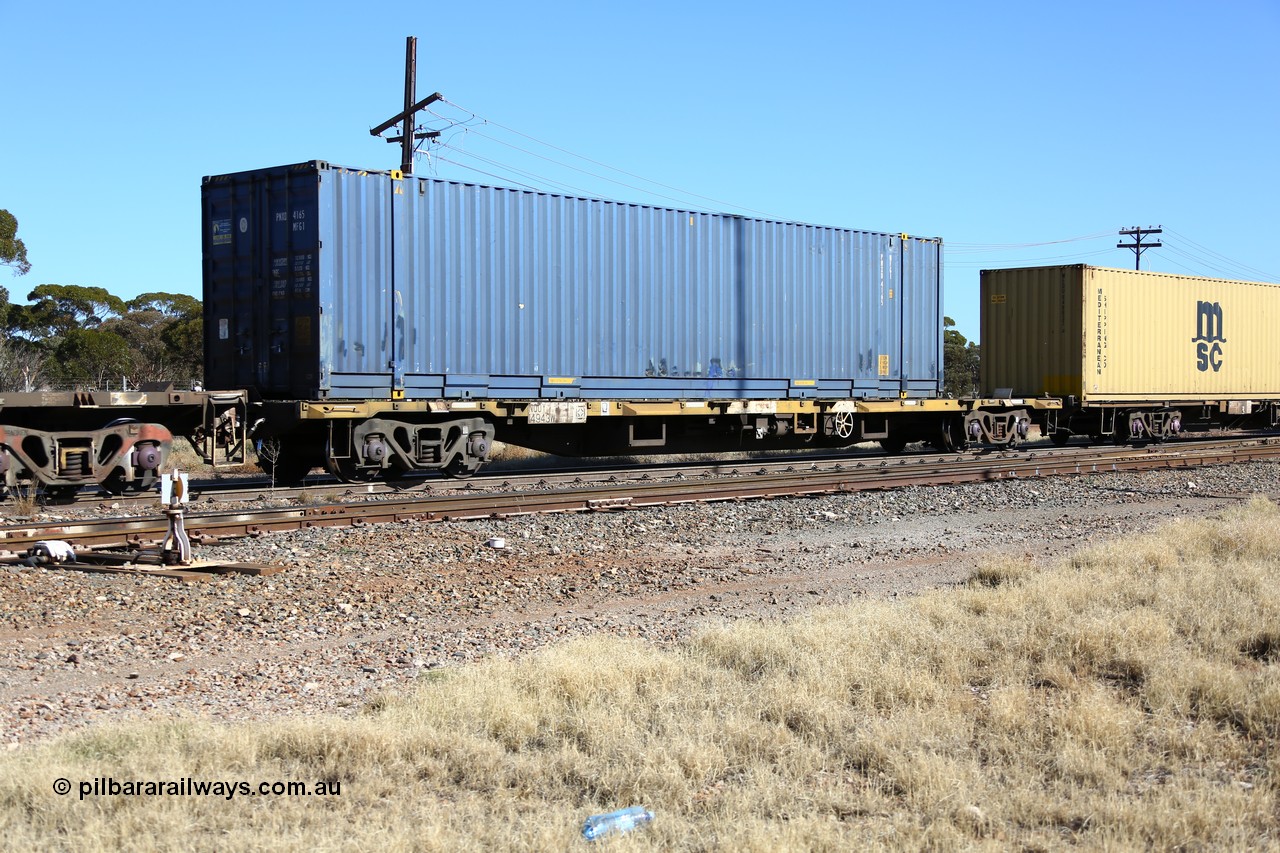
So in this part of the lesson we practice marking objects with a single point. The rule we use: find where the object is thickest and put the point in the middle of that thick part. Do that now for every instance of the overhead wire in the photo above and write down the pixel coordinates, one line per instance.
(686, 194)
(1213, 269)
(983, 247)
(531, 175)
(1181, 266)
(488, 174)
(959, 253)
(994, 262)
(1223, 263)
(583, 171)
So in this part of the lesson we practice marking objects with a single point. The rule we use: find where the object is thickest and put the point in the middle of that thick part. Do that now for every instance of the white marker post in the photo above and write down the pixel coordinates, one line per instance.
(176, 549)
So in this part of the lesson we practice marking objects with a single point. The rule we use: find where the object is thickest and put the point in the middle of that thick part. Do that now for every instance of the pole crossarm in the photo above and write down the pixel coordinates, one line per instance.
(1137, 245)
(400, 116)
(432, 134)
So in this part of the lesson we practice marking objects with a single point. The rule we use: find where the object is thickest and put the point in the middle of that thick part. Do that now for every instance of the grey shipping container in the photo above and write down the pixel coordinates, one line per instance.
(324, 282)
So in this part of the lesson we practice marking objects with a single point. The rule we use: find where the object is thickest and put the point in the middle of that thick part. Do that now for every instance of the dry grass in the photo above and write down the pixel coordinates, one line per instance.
(22, 503)
(1126, 699)
(183, 457)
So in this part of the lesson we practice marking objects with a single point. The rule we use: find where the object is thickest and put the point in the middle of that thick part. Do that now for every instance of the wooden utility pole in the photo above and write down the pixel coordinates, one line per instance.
(1137, 245)
(408, 134)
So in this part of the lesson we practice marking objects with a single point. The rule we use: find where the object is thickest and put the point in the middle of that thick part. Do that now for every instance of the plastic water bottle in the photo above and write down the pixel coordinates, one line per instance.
(623, 820)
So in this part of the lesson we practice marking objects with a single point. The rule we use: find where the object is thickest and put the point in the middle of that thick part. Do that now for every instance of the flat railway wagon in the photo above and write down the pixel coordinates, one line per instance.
(63, 440)
(1132, 355)
(384, 323)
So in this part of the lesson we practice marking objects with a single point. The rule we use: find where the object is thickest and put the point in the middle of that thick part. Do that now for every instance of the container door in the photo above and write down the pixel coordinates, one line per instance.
(921, 317)
(261, 258)
(357, 286)
(289, 217)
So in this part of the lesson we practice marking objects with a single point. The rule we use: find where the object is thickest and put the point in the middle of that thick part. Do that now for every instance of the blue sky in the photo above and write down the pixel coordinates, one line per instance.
(1011, 130)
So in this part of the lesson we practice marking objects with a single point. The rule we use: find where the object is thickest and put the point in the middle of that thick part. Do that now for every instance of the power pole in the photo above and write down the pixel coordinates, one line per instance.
(408, 134)
(1137, 245)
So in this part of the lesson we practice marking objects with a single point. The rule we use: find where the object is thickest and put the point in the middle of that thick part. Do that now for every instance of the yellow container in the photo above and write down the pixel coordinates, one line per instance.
(1117, 336)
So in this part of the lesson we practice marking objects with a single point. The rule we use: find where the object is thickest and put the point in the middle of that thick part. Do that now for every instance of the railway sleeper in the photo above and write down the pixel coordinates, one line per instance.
(124, 454)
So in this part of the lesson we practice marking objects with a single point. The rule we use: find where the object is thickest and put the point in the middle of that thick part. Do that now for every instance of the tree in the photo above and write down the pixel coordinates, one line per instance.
(184, 339)
(163, 331)
(91, 357)
(23, 367)
(13, 253)
(960, 362)
(172, 305)
(56, 309)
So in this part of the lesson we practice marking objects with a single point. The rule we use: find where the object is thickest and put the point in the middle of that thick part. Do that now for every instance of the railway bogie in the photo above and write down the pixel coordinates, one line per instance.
(1131, 424)
(364, 440)
(119, 440)
(118, 455)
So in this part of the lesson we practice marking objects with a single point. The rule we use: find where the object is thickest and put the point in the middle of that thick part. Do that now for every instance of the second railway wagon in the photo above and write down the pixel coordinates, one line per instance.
(385, 323)
(1132, 354)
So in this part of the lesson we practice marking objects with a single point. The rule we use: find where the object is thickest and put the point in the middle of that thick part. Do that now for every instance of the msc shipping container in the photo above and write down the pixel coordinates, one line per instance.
(324, 282)
(1112, 336)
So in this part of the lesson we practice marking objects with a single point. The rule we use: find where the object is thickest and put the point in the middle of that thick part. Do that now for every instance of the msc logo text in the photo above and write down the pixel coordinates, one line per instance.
(1208, 339)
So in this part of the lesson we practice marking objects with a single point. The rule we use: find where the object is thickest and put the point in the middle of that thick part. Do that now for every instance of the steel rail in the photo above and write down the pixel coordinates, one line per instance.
(872, 474)
(254, 489)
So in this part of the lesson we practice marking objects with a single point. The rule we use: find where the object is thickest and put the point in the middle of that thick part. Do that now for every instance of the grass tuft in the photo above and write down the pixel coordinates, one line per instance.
(1127, 698)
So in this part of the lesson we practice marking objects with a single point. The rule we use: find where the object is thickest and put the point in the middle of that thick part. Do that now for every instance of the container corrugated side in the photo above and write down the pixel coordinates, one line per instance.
(1113, 336)
(630, 300)
(445, 289)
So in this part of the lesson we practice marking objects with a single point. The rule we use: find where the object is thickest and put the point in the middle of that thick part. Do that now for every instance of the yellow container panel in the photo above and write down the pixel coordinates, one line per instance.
(1111, 335)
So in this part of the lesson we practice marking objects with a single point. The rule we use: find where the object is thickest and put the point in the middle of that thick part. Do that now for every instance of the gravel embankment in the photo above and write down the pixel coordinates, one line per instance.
(359, 610)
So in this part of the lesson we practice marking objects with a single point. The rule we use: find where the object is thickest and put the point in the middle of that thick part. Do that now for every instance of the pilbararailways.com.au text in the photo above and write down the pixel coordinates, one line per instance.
(188, 787)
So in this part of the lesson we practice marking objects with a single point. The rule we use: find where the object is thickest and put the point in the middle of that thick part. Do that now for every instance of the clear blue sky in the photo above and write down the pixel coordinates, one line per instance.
(991, 125)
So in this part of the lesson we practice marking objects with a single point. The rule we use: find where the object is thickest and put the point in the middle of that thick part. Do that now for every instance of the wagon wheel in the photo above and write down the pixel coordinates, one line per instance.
(844, 424)
(893, 445)
(1060, 437)
(288, 467)
(115, 483)
(395, 473)
(346, 469)
(61, 494)
(459, 468)
(951, 437)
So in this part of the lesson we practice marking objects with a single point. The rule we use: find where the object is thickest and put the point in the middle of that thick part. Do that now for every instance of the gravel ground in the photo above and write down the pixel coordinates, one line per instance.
(361, 610)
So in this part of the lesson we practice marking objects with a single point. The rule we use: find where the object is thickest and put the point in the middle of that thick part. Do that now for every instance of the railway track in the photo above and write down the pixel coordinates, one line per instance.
(682, 484)
(322, 488)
